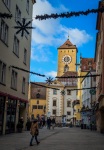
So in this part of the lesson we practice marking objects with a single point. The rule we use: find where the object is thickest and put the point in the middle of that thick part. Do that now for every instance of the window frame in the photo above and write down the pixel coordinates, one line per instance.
(53, 111)
(17, 14)
(14, 76)
(68, 103)
(54, 92)
(23, 85)
(4, 32)
(25, 56)
(27, 6)
(69, 113)
(16, 46)
(2, 72)
(68, 92)
(54, 102)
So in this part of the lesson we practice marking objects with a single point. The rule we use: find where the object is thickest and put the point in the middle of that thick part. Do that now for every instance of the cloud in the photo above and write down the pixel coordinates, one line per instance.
(51, 32)
(76, 36)
(39, 54)
(52, 74)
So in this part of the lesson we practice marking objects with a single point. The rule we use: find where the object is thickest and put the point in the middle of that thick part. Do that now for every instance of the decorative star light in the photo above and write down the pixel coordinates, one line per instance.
(22, 27)
(62, 92)
(49, 80)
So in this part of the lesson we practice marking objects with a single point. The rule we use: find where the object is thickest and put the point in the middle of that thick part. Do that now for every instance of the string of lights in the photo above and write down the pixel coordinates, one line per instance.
(5, 15)
(27, 71)
(69, 14)
(55, 16)
(83, 88)
(79, 76)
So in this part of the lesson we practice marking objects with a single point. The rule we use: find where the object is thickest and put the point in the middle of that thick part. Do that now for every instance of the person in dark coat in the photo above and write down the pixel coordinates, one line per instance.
(53, 122)
(48, 123)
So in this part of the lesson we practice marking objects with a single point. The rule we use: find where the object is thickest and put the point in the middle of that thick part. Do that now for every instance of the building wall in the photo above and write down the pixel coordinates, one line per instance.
(39, 102)
(61, 64)
(99, 58)
(15, 101)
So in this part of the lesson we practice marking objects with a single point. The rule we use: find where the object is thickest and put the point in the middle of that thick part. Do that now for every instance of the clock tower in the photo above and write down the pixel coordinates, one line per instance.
(67, 57)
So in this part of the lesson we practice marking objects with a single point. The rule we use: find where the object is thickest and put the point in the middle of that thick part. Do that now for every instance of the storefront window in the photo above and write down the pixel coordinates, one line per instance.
(11, 116)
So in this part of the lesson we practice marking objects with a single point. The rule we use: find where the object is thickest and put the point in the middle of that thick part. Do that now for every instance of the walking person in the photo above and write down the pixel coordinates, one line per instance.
(34, 131)
(53, 122)
(48, 123)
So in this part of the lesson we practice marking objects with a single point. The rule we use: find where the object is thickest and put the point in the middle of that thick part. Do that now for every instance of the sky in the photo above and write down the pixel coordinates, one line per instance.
(49, 34)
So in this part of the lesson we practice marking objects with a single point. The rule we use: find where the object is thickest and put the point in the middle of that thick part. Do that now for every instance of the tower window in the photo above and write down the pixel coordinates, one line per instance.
(66, 68)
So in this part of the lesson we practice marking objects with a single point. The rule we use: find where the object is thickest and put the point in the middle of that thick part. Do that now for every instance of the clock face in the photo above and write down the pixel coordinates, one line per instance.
(66, 59)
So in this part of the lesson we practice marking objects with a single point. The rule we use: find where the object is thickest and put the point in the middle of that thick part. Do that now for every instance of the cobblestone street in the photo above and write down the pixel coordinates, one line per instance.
(58, 139)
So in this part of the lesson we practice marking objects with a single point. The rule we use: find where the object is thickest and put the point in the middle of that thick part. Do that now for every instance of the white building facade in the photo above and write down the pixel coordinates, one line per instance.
(88, 98)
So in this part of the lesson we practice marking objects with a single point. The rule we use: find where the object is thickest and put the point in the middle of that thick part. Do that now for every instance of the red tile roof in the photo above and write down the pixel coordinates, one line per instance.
(87, 63)
(66, 45)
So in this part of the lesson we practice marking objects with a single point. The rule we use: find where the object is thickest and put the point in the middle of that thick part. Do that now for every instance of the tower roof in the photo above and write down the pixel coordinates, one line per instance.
(66, 45)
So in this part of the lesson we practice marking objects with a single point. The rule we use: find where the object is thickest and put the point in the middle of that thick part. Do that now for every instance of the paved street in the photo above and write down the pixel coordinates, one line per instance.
(58, 139)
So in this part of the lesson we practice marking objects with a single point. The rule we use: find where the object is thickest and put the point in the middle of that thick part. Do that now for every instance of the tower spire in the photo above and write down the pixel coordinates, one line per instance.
(68, 35)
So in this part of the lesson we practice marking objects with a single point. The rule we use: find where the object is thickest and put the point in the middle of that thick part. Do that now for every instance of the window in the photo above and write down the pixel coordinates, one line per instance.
(68, 103)
(16, 46)
(17, 14)
(37, 101)
(14, 80)
(85, 83)
(4, 32)
(25, 56)
(90, 63)
(68, 113)
(66, 68)
(54, 102)
(90, 68)
(54, 111)
(54, 92)
(7, 3)
(27, 6)
(40, 107)
(23, 85)
(68, 92)
(34, 107)
(2, 72)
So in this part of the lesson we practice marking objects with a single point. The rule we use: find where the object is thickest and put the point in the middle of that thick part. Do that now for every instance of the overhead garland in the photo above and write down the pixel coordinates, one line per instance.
(22, 27)
(62, 92)
(83, 88)
(69, 14)
(80, 76)
(5, 15)
(49, 80)
(27, 71)
(44, 86)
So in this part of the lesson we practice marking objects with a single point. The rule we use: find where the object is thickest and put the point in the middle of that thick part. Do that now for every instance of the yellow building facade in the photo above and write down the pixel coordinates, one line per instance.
(37, 100)
(67, 57)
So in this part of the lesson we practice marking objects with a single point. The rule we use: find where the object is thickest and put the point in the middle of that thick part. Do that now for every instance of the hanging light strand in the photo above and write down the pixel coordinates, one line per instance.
(27, 71)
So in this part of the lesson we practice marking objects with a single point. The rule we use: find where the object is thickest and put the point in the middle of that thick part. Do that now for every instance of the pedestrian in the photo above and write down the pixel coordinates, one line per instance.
(34, 131)
(28, 125)
(53, 122)
(48, 123)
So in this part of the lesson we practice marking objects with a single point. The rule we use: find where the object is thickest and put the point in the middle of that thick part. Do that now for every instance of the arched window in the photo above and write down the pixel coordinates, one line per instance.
(66, 68)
